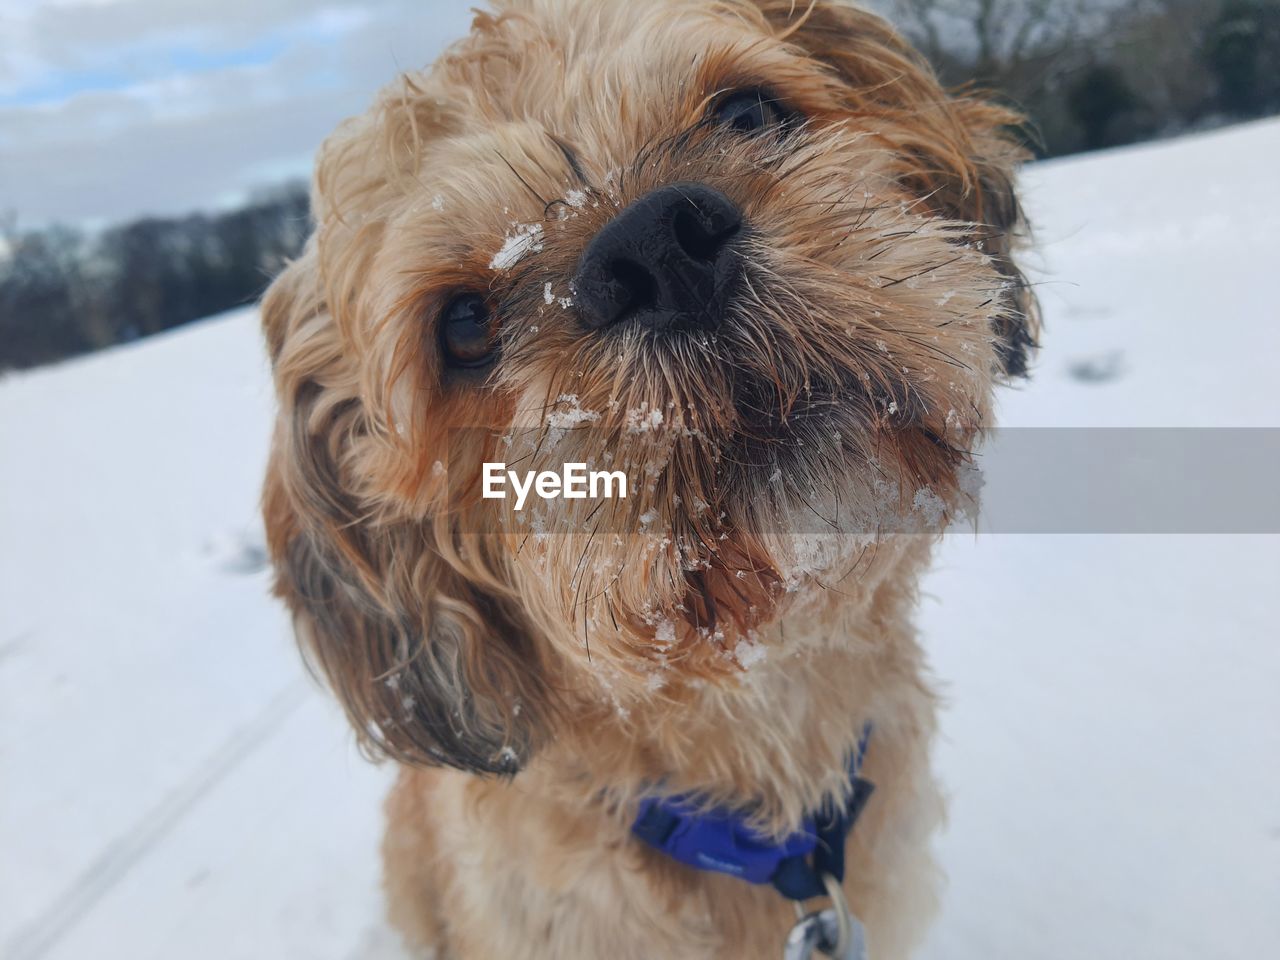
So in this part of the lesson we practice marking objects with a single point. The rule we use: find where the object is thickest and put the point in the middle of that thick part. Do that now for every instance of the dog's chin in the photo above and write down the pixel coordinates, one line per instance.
(756, 479)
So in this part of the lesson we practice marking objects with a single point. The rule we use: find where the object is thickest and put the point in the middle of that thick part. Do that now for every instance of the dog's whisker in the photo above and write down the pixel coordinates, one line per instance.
(525, 183)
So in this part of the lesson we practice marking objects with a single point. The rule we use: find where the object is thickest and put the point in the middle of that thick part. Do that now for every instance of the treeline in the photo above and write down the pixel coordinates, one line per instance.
(1088, 74)
(64, 291)
(1101, 73)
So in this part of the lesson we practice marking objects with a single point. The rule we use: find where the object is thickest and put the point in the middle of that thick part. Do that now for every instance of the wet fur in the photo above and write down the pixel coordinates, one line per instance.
(691, 635)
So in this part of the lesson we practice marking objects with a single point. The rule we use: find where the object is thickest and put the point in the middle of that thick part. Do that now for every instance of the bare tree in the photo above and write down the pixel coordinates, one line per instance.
(988, 38)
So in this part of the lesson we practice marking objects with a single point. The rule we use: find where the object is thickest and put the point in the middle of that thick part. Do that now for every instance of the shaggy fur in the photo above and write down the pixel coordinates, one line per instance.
(730, 627)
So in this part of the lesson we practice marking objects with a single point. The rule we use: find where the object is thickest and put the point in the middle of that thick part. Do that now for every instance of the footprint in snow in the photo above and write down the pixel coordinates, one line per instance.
(1101, 368)
(237, 552)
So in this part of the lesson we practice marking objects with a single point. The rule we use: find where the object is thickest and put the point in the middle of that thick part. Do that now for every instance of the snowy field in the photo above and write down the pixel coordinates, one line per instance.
(172, 785)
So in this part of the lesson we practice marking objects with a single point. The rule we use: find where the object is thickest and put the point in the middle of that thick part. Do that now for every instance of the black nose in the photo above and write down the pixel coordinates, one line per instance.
(665, 261)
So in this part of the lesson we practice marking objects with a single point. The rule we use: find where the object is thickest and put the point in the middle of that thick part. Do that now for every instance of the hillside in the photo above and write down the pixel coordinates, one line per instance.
(175, 787)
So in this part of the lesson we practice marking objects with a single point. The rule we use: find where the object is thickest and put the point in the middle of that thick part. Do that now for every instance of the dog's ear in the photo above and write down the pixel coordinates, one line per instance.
(414, 634)
(961, 152)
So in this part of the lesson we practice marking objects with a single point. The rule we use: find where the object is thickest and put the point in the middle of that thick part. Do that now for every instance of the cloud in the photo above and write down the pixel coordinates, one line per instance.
(110, 109)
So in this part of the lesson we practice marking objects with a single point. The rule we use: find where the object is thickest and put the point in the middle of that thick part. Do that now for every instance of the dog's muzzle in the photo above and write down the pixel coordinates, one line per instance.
(666, 262)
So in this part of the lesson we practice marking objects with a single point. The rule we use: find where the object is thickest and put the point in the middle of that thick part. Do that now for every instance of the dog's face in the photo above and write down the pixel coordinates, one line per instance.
(746, 251)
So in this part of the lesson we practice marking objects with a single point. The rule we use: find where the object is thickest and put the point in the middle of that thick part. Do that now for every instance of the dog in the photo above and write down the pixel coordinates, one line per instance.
(748, 253)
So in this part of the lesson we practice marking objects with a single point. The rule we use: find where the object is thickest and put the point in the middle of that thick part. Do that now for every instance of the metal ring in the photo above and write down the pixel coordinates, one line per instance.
(844, 918)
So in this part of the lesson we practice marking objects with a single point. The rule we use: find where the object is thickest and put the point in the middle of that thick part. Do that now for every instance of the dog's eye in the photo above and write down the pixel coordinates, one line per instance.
(466, 332)
(750, 111)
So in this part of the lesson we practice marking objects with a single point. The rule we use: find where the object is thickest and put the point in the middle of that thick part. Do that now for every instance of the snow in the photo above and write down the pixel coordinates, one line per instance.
(1111, 700)
(172, 784)
(748, 654)
(643, 420)
(525, 238)
(570, 413)
(162, 754)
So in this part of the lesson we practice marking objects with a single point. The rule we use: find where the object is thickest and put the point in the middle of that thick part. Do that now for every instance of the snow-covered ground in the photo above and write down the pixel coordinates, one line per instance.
(173, 785)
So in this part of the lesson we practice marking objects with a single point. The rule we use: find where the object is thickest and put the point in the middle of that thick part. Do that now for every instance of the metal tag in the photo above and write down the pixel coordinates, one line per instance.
(818, 934)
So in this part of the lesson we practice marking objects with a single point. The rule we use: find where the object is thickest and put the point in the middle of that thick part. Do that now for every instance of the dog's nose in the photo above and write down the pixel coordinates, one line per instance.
(666, 261)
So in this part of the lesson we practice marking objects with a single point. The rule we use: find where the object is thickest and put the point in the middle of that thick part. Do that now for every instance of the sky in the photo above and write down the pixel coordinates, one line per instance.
(115, 109)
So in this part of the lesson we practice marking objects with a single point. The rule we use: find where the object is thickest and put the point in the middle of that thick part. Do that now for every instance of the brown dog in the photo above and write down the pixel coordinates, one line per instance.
(749, 254)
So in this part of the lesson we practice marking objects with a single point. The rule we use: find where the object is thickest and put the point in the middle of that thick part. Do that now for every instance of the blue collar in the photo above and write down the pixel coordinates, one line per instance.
(718, 838)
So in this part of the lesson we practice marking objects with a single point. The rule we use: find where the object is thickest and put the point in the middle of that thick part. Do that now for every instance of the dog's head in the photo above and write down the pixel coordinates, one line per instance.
(747, 251)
